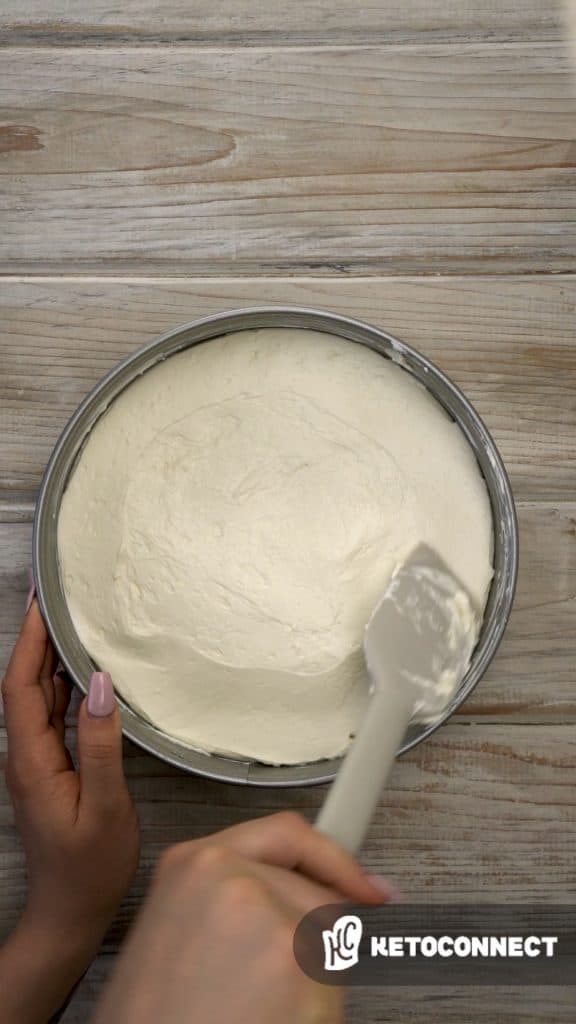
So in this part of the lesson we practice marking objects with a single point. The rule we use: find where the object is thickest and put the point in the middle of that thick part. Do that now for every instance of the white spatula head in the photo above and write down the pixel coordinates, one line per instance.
(418, 644)
(424, 630)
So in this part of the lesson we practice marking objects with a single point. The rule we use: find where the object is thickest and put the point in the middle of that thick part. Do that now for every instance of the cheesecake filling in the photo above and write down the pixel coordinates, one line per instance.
(235, 516)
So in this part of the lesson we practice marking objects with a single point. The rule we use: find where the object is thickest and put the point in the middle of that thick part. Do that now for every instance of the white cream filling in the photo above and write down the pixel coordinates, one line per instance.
(234, 518)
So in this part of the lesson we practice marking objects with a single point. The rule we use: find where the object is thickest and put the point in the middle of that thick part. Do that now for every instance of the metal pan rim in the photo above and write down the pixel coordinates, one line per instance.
(45, 561)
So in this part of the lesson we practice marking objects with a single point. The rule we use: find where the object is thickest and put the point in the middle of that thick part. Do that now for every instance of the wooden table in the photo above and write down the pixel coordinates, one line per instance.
(411, 163)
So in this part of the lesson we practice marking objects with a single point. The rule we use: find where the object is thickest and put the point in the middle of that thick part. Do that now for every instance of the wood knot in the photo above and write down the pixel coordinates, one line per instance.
(14, 137)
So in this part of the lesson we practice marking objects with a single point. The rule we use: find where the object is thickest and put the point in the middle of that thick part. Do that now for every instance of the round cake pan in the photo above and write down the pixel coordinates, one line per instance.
(49, 588)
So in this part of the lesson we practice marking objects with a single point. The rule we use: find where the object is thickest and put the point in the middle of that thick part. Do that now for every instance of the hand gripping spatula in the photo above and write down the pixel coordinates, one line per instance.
(417, 645)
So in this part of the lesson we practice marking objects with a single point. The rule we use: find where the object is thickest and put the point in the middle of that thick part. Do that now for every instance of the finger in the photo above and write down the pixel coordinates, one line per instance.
(46, 678)
(62, 693)
(34, 749)
(100, 746)
(297, 892)
(24, 702)
(31, 591)
(287, 840)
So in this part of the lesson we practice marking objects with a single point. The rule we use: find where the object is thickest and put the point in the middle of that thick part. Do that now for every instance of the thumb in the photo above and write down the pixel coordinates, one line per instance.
(100, 744)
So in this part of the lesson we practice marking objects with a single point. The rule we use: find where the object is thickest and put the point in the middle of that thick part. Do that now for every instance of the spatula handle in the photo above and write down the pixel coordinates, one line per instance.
(349, 806)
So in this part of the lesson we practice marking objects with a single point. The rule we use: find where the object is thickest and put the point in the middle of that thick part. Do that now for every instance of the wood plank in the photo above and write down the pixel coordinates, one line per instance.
(343, 160)
(508, 343)
(16, 511)
(136, 22)
(477, 813)
(532, 679)
(410, 1006)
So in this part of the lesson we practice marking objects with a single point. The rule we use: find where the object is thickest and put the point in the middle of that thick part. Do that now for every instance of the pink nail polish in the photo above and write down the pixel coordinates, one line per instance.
(390, 891)
(101, 700)
(31, 590)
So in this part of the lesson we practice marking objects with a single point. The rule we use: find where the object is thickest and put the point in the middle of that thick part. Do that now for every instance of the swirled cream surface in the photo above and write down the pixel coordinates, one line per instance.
(232, 521)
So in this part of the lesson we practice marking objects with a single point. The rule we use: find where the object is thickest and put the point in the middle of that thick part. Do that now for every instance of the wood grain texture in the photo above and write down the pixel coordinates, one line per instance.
(275, 153)
(508, 343)
(476, 813)
(552, 1005)
(533, 676)
(201, 22)
(338, 161)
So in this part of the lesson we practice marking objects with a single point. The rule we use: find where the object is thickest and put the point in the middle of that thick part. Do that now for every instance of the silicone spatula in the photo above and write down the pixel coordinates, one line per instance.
(417, 646)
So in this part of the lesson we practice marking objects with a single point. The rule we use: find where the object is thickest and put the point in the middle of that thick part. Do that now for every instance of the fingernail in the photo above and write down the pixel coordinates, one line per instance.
(101, 700)
(392, 894)
(31, 591)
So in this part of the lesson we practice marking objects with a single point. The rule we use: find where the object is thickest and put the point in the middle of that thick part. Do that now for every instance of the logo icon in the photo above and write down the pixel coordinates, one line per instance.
(341, 943)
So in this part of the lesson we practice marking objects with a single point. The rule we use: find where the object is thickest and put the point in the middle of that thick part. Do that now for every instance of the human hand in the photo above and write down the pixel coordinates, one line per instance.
(79, 829)
(214, 939)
